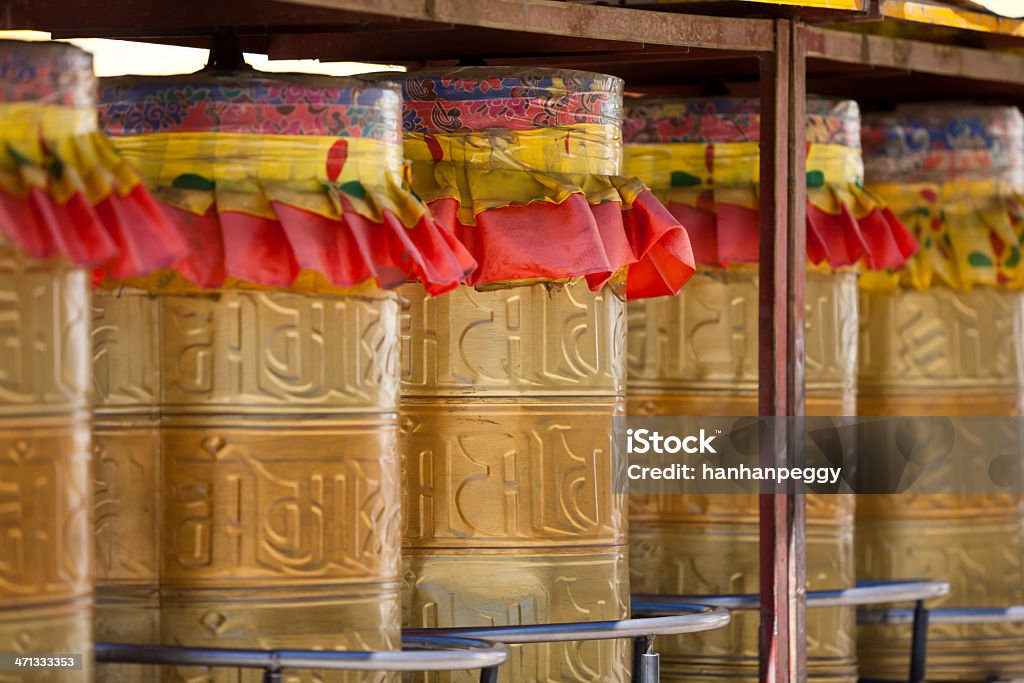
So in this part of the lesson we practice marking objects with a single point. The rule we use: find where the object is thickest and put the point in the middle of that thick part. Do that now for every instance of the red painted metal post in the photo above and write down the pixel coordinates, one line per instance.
(781, 362)
(795, 521)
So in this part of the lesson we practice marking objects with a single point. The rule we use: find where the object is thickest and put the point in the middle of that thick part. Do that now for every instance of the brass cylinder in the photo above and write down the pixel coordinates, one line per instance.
(273, 516)
(126, 473)
(944, 352)
(45, 490)
(696, 354)
(510, 510)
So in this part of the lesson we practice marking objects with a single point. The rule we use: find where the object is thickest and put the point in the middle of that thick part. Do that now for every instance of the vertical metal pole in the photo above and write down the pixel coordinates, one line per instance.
(919, 643)
(782, 643)
(639, 647)
(796, 524)
(489, 674)
(273, 676)
(646, 662)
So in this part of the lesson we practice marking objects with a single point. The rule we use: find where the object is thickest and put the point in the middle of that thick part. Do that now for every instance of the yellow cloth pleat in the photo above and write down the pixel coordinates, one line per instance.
(248, 173)
(59, 150)
(971, 233)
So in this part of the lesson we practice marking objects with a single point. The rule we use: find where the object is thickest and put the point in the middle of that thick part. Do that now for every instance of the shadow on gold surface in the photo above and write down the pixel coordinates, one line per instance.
(696, 354)
(942, 352)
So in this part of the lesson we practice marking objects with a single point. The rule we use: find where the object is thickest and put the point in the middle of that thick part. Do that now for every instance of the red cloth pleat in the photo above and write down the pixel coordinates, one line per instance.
(739, 229)
(258, 249)
(730, 235)
(340, 252)
(399, 261)
(145, 239)
(611, 226)
(889, 242)
(451, 259)
(700, 226)
(815, 249)
(576, 239)
(204, 261)
(835, 239)
(435, 258)
(387, 251)
(842, 240)
(19, 222)
(74, 226)
(665, 257)
(347, 252)
(538, 240)
(124, 236)
(444, 242)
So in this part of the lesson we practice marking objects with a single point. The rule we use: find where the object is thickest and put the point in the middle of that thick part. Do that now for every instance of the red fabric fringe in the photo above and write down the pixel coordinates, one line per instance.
(730, 235)
(574, 239)
(272, 252)
(125, 235)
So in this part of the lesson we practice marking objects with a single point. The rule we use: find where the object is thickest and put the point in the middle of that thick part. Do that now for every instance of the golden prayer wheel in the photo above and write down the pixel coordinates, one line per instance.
(512, 511)
(127, 474)
(697, 354)
(63, 195)
(247, 422)
(945, 336)
(268, 511)
(45, 549)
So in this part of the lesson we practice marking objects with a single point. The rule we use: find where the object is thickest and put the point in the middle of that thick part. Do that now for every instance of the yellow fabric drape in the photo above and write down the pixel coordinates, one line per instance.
(971, 233)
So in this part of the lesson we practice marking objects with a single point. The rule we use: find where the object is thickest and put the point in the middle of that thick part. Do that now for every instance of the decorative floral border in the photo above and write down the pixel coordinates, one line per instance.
(921, 145)
(49, 73)
(733, 119)
(279, 105)
(477, 98)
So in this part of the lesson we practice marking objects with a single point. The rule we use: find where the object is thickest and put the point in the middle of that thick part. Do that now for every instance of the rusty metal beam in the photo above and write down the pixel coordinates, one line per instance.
(782, 643)
(568, 19)
(912, 55)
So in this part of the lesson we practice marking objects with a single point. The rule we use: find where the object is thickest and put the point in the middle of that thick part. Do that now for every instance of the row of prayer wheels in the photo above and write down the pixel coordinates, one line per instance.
(333, 393)
(938, 336)
(943, 337)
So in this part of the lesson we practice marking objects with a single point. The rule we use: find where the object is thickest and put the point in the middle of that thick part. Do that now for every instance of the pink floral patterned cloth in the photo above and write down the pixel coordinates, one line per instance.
(270, 104)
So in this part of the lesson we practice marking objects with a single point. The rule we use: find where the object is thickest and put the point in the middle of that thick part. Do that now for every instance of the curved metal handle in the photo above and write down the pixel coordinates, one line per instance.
(865, 593)
(686, 618)
(420, 653)
(946, 615)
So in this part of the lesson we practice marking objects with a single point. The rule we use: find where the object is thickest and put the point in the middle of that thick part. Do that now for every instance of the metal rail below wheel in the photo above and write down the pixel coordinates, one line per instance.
(691, 617)
(865, 593)
(419, 653)
(940, 615)
(947, 615)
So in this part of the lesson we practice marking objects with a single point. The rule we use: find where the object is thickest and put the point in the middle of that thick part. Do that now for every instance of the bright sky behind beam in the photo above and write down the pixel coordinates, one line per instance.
(1006, 8)
(122, 57)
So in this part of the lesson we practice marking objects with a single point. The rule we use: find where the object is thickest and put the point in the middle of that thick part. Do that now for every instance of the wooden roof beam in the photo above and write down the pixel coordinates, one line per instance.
(913, 56)
(553, 17)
